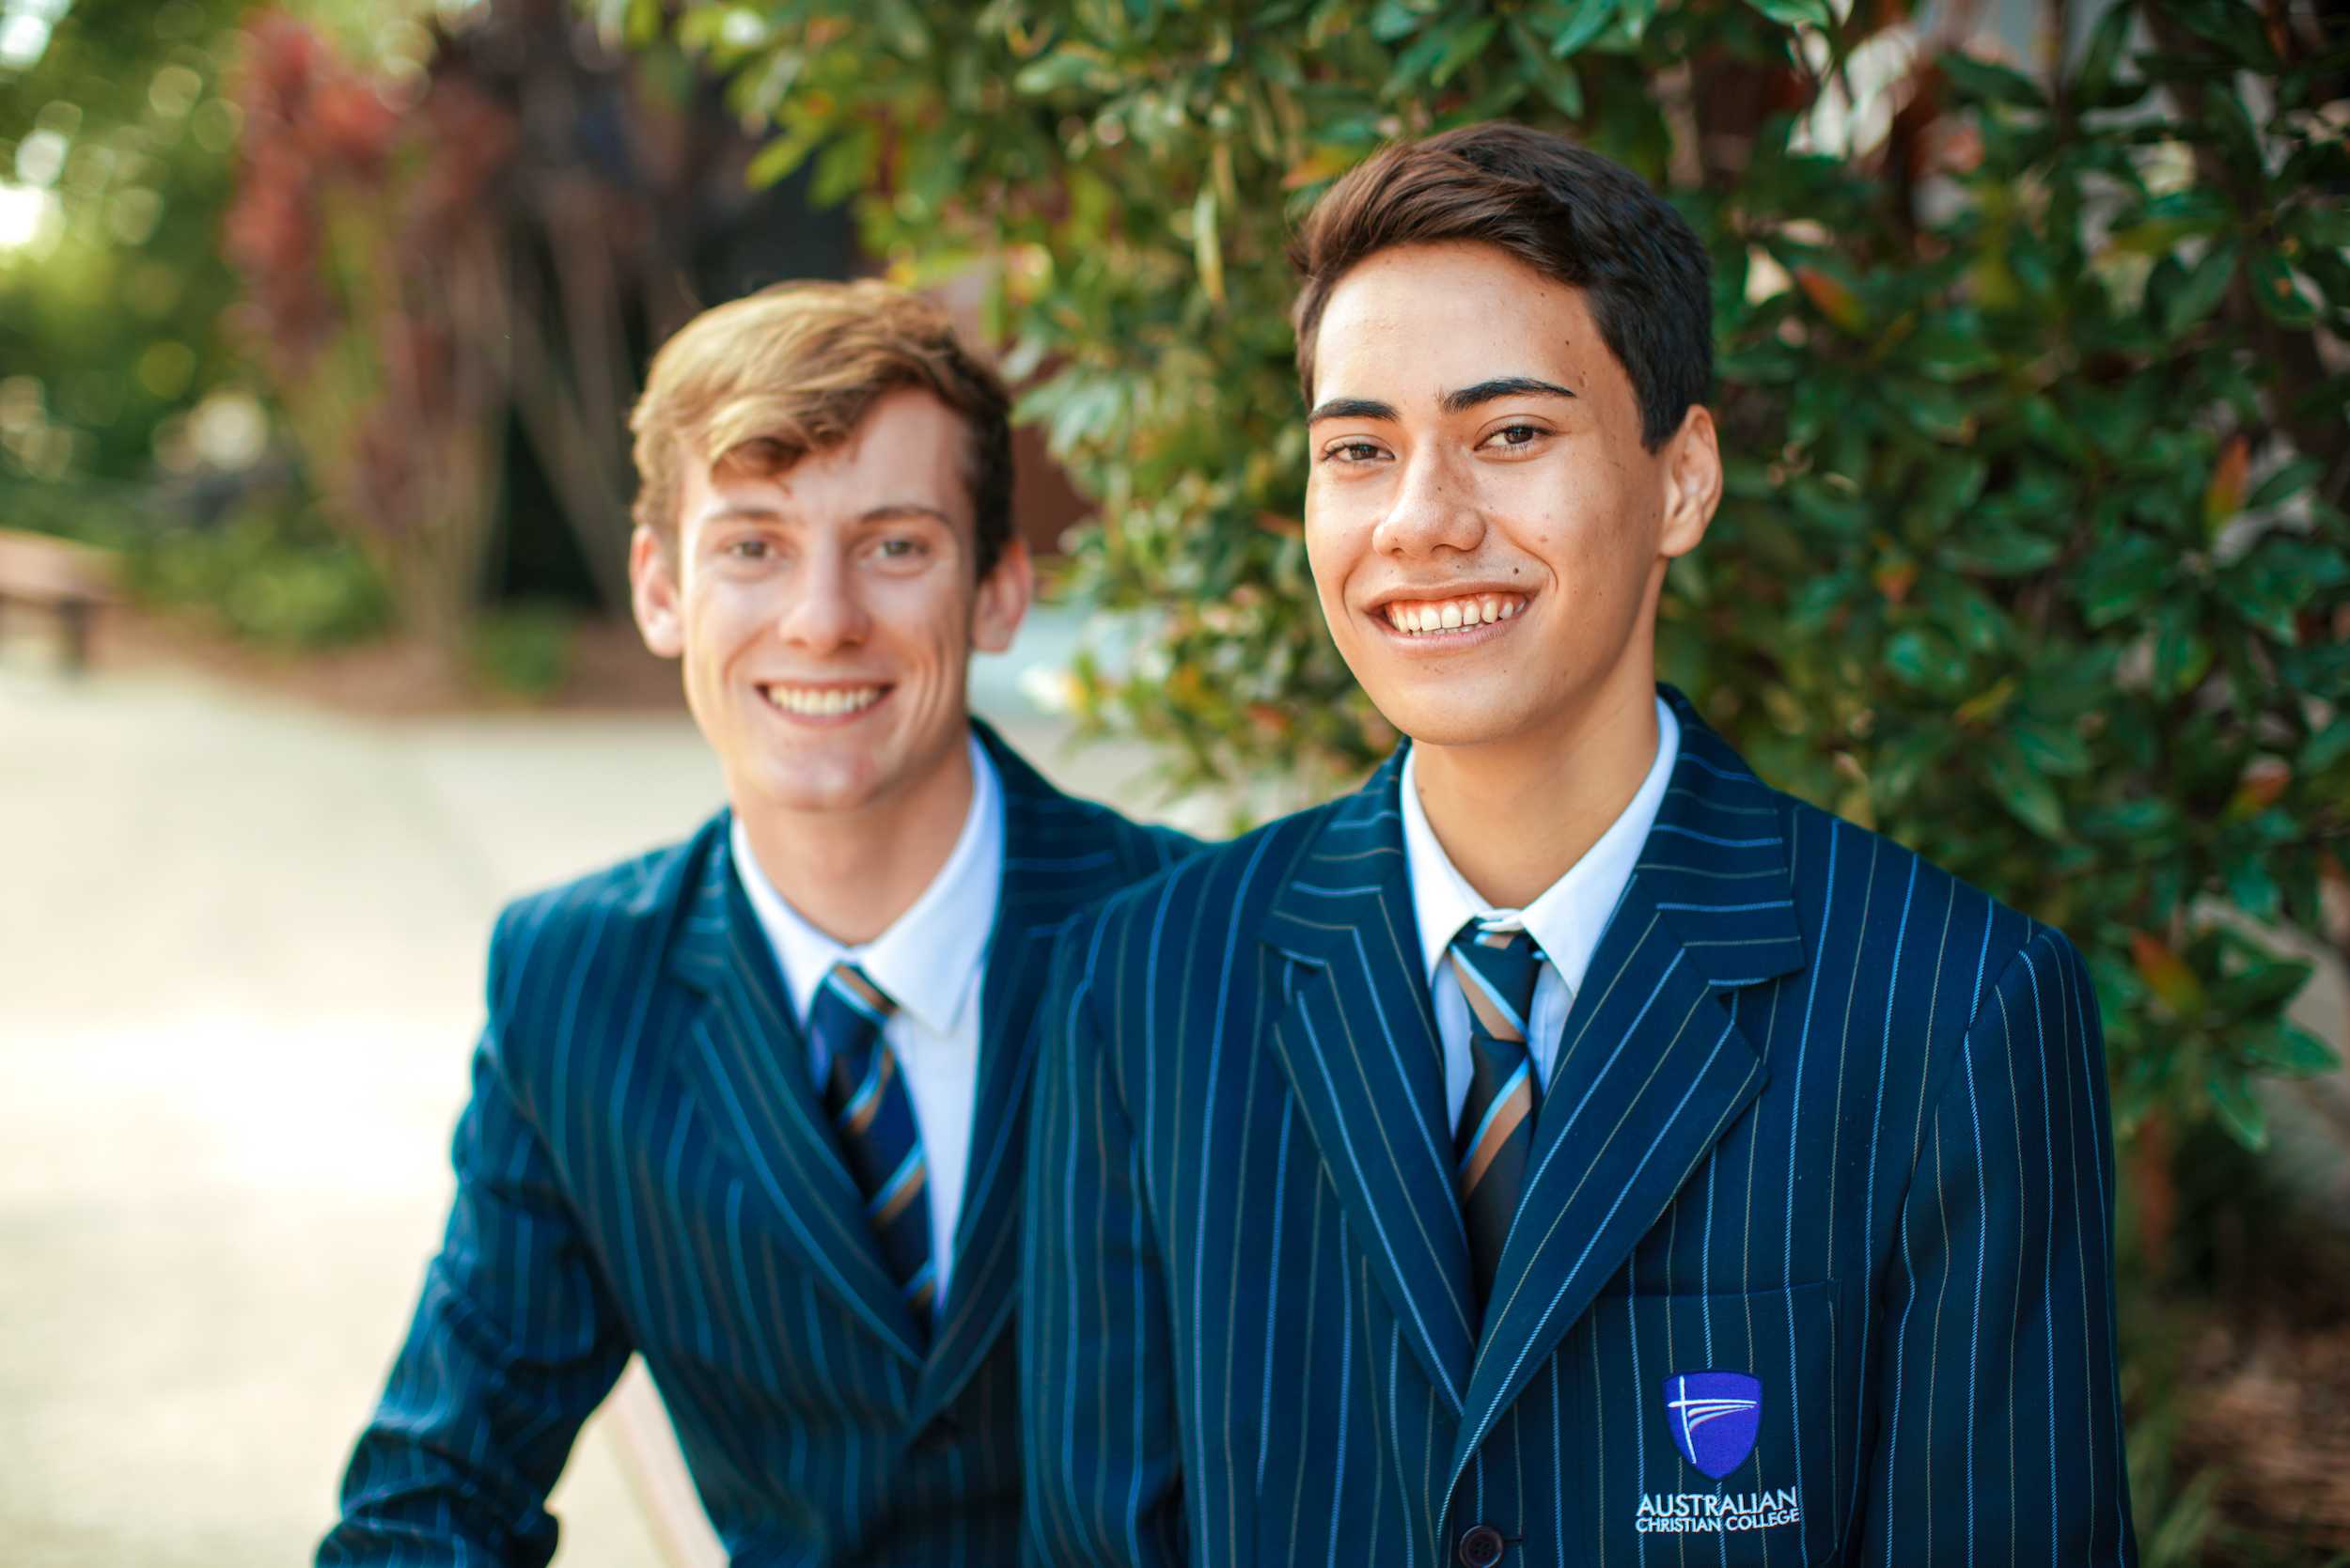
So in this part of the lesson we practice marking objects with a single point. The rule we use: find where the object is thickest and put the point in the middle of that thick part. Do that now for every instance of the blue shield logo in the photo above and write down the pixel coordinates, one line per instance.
(1714, 1417)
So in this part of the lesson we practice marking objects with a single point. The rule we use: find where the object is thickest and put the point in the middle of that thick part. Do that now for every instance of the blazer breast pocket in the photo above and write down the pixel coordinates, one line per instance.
(1717, 1417)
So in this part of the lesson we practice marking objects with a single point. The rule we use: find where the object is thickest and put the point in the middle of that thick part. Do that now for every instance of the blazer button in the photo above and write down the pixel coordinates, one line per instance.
(1481, 1546)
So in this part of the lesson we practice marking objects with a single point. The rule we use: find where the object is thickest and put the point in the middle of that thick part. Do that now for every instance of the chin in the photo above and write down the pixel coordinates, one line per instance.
(1444, 718)
(801, 786)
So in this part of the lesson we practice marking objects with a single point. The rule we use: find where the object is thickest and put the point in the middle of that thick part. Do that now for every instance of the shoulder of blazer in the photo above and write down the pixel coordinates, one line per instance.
(617, 918)
(1915, 915)
(1227, 885)
(1138, 849)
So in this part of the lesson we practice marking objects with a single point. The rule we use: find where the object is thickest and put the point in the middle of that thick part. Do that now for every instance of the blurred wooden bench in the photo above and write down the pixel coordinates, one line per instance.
(69, 581)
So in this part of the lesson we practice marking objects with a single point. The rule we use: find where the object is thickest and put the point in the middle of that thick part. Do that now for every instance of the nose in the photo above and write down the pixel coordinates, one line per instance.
(821, 612)
(1434, 509)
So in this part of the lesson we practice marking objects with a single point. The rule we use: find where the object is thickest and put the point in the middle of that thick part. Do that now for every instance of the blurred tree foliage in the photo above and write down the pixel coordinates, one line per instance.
(114, 166)
(2032, 390)
(379, 308)
(423, 249)
(452, 278)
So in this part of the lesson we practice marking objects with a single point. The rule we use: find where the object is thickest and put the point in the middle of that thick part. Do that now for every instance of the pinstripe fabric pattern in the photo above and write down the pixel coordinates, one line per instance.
(1821, 1115)
(645, 1164)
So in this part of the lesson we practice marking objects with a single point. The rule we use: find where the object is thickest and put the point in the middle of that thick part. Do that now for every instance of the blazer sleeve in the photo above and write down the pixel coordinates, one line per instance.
(1997, 1403)
(513, 1342)
(1098, 1412)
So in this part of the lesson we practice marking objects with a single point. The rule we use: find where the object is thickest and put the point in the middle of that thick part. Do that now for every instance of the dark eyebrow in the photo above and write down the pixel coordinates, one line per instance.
(1500, 386)
(1350, 408)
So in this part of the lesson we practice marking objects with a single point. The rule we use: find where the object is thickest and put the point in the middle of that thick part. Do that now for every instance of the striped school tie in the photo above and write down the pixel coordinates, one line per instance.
(1496, 970)
(866, 1098)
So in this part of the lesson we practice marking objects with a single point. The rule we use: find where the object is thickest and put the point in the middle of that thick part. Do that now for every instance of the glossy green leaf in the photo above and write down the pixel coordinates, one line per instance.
(2252, 887)
(2323, 749)
(2119, 576)
(1926, 659)
(2101, 59)
(2278, 291)
(2200, 290)
(1991, 83)
(2238, 1110)
(1796, 13)
(2003, 553)
(2288, 1049)
(2284, 485)
(1465, 45)
(1581, 22)
(2022, 790)
(2265, 984)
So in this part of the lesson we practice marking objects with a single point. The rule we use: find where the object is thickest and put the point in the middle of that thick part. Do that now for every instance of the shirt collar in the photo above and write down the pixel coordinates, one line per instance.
(927, 959)
(1568, 918)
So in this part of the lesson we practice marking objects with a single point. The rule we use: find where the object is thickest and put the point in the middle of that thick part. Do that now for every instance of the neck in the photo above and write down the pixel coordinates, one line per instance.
(851, 873)
(1515, 815)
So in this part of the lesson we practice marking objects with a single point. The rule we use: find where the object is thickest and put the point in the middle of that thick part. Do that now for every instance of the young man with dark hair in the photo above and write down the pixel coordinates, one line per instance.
(751, 1106)
(1565, 1145)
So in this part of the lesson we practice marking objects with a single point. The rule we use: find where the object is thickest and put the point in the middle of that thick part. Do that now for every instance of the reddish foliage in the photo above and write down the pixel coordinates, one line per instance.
(350, 205)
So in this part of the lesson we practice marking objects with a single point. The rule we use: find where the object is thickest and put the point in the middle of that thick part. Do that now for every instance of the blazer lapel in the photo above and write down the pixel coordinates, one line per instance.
(1058, 857)
(1358, 1042)
(745, 1056)
(1653, 1066)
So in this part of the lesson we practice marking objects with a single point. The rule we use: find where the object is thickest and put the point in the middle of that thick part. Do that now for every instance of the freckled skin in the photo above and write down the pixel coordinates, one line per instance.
(1551, 496)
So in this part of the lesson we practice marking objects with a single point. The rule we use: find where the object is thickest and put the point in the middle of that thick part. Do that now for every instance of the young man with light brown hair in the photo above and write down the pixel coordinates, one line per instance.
(750, 1106)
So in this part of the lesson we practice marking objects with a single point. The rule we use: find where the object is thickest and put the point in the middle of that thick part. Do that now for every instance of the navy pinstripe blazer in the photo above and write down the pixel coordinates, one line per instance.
(645, 1165)
(1823, 1118)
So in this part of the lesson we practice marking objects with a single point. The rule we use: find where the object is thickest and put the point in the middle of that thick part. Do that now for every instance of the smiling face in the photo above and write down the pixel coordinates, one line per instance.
(1487, 532)
(826, 614)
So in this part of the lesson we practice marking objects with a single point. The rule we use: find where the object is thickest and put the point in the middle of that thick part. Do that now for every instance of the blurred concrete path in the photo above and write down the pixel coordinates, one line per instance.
(241, 951)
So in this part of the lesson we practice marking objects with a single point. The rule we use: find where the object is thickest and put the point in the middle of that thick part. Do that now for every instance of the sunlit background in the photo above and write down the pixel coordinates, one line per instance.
(319, 324)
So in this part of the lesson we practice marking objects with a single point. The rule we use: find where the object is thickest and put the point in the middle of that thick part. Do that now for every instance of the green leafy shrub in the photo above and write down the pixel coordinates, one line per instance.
(274, 574)
(2033, 552)
(2032, 386)
(525, 650)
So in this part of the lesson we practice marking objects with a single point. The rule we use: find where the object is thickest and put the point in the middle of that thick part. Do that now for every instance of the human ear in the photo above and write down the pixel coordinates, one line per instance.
(1003, 600)
(654, 593)
(1693, 483)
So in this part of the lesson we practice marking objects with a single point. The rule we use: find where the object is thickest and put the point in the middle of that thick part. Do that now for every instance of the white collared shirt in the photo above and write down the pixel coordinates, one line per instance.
(930, 963)
(1566, 919)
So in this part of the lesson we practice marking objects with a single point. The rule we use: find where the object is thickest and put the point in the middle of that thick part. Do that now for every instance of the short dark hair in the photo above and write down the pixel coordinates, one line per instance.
(1562, 210)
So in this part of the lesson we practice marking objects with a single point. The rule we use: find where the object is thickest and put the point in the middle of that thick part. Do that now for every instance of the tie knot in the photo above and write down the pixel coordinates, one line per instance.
(858, 990)
(849, 1010)
(1498, 970)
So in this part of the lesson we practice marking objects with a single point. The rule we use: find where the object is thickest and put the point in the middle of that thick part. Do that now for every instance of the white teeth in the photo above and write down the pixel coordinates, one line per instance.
(1420, 618)
(820, 702)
